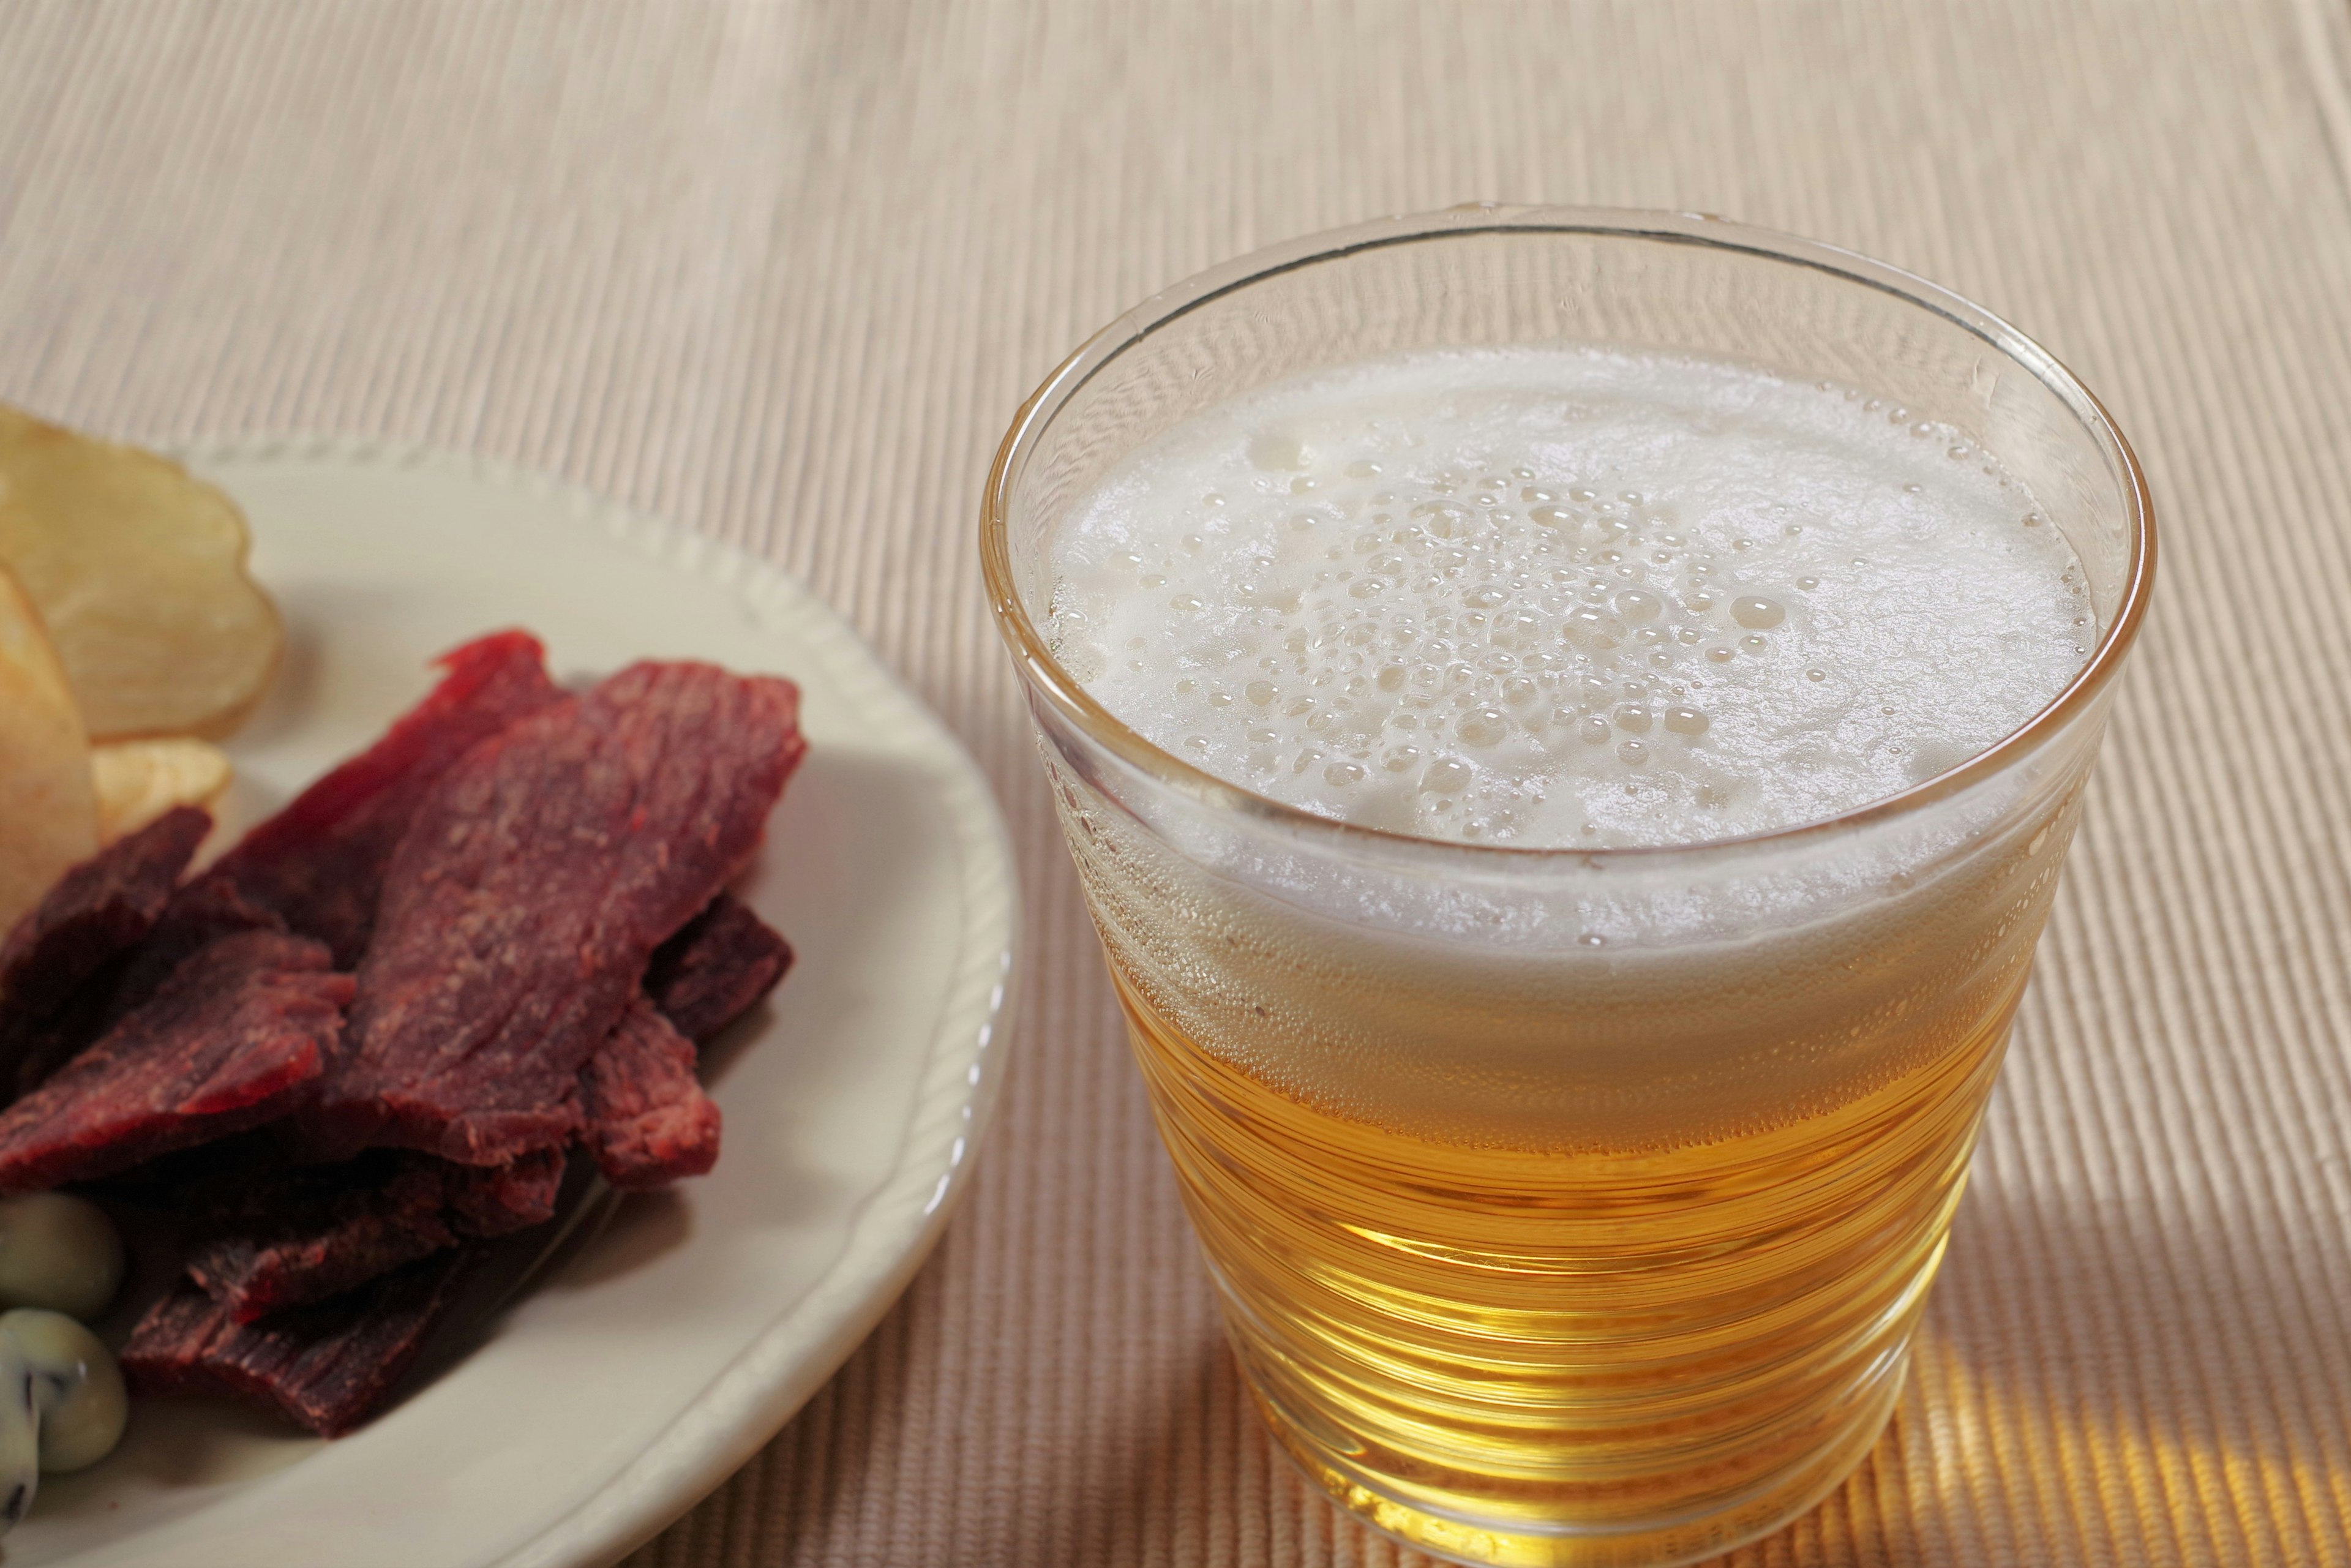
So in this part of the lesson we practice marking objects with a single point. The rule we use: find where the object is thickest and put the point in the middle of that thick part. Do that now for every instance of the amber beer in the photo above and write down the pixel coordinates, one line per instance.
(1481, 1295)
(1569, 820)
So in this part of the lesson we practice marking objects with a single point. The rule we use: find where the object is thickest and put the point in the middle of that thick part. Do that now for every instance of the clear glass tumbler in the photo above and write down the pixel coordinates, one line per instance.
(1568, 1207)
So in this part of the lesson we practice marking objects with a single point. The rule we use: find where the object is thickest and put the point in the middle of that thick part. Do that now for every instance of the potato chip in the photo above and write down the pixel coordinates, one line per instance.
(138, 569)
(139, 781)
(48, 805)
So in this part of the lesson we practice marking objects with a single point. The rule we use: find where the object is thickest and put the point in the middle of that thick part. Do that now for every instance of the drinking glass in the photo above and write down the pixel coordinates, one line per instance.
(1570, 1207)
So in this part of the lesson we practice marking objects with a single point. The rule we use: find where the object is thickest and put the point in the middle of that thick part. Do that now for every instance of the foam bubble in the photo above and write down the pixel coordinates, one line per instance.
(1565, 597)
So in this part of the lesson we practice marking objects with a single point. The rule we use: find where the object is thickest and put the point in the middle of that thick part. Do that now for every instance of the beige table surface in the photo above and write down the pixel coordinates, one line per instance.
(782, 271)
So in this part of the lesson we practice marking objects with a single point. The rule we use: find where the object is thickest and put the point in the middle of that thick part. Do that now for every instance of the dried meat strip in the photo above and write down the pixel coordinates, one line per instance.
(315, 866)
(716, 970)
(314, 1231)
(649, 1122)
(61, 965)
(319, 863)
(98, 910)
(520, 911)
(200, 914)
(492, 1200)
(328, 1366)
(235, 1038)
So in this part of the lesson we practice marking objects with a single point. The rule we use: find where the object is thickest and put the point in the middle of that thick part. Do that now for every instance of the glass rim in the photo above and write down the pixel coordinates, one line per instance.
(1043, 674)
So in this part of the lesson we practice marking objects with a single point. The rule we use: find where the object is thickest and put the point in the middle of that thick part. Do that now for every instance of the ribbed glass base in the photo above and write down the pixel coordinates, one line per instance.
(1659, 1543)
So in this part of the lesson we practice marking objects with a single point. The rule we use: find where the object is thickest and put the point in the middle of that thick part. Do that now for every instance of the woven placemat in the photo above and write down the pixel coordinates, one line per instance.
(783, 271)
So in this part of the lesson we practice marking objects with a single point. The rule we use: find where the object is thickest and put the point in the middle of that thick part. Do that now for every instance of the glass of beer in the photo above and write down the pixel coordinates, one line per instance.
(1568, 722)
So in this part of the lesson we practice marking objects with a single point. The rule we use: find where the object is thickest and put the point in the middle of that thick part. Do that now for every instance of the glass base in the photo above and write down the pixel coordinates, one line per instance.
(1663, 1543)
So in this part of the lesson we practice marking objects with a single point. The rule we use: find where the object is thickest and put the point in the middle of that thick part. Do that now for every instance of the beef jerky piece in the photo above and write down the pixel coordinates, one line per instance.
(492, 1200)
(314, 1231)
(649, 1122)
(327, 1366)
(100, 908)
(198, 915)
(234, 1038)
(319, 863)
(518, 915)
(61, 966)
(716, 969)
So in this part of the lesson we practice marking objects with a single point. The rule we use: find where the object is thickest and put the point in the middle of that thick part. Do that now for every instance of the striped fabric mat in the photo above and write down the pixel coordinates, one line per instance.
(783, 270)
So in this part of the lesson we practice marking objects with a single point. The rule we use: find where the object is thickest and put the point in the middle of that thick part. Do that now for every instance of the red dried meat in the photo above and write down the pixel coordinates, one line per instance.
(315, 866)
(492, 1200)
(535, 881)
(237, 1036)
(318, 863)
(649, 1122)
(328, 1366)
(59, 963)
(97, 910)
(716, 969)
(315, 1231)
(200, 914)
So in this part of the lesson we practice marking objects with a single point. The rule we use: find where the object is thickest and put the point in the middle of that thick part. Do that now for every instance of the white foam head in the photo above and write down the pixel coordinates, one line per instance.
(1564, 596)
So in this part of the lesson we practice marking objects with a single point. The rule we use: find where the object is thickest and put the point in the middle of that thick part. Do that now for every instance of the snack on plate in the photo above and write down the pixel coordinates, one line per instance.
(95, 914)
(369, 1038)
(127, 618)
(50, 819)
(318, 863)
(138, 567)
(716, 970)
(303, 1233)
(503, 952)
(327, 1366)
(232, 1041)
(648, 1120)
(139, 781)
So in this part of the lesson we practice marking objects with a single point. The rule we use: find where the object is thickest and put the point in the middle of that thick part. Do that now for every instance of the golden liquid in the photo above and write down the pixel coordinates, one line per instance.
(1560, 1255)
(1574, 1357)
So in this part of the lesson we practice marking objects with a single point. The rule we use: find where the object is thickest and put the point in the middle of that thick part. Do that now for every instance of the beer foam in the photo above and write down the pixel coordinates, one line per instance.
(1564, 597)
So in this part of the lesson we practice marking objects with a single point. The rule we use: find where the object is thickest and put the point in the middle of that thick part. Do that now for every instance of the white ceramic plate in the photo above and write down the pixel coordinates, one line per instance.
(658, 1354)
